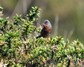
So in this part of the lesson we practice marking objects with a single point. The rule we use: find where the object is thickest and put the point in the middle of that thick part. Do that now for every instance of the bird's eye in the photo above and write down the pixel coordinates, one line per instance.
(46, 22)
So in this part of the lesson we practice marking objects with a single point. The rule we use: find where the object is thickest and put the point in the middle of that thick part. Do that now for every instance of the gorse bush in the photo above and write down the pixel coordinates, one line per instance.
(20, 48)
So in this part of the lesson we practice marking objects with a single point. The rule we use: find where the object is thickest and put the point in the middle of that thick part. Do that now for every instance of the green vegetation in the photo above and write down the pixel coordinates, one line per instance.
(19, 47)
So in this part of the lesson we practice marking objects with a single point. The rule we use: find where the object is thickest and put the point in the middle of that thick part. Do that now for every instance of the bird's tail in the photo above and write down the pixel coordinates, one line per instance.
(38, 36)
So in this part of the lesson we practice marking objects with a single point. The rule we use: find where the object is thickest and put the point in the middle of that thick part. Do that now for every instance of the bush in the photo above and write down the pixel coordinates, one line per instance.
(19, 47)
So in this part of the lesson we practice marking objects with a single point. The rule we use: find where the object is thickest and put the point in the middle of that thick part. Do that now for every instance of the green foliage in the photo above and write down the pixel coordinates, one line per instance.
(33, 14)
(19, 48)
(1, 8)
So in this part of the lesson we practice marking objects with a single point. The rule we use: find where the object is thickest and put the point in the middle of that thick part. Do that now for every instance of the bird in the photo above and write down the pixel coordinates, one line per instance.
(46, 29)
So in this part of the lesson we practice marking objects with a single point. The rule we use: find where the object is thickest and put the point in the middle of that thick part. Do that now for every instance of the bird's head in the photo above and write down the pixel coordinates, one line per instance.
(47, 25)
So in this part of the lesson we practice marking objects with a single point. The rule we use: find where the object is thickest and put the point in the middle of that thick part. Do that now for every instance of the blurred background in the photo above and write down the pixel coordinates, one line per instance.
(66, 16)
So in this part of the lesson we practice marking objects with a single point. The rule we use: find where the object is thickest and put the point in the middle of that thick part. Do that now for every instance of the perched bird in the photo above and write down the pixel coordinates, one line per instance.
(46, 29)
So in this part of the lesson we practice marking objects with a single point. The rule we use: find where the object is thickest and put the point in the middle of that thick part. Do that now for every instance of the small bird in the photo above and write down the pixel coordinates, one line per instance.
(46, 29)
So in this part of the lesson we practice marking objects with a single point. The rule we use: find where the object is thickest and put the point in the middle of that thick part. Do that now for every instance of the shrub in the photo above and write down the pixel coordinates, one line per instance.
(19, 47)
